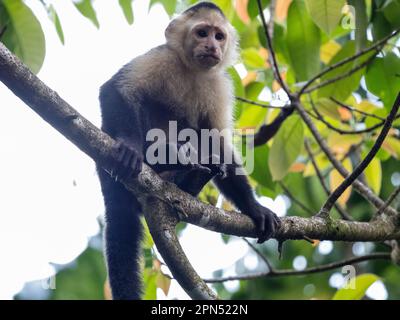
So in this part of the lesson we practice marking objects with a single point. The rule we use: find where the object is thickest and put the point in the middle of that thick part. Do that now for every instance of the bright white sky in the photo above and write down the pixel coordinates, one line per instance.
(43, 216)
(50, 195)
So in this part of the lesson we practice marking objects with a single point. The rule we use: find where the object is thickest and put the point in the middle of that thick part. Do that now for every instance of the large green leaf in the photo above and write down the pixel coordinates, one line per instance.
(373, 175)
(362, 283)
(85, 7)
(343, 88)
(169, 5)
(261, 172)
(286, 147)
(251, 115)
(83, 280)
(303, 39)
(24, 35)
(239, 92)
(326, 13)
(360, 8)
(392, 12)
(252, 58)
(252, 7)
(57, 23)
(126, 6)
(383, 78)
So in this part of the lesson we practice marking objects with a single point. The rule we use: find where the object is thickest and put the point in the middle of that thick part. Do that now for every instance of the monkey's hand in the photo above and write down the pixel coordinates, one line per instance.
(128, 161)
(265, 220)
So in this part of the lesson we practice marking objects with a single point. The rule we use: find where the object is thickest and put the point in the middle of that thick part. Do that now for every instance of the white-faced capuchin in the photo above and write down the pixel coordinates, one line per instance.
(185, 81)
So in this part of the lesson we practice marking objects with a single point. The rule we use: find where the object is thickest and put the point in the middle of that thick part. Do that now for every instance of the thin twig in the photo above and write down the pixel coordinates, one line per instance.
(391, 198)
(271, 56)
(361, 188)
(343, 131)
(324, 212)
(3, 31)
(338, 207)
(262, 105)
(272, 7)
(291, 272)
(349, 59)
(367, 114)
(260, 254)
(295, 200)
(341, 76)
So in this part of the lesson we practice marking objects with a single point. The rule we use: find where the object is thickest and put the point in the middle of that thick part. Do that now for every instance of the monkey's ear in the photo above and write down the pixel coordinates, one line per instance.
(170, 28)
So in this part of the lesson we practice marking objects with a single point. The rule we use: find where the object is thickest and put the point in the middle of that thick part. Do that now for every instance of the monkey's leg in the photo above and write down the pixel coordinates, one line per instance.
(192, 179)
(123, 233)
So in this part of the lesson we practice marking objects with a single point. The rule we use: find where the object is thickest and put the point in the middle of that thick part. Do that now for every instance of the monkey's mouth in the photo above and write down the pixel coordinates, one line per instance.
(209, 56)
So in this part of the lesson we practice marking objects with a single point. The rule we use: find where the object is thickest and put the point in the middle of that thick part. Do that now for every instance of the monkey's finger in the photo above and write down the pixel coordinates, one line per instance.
(276, 221)
(137, 166)
(261, 228)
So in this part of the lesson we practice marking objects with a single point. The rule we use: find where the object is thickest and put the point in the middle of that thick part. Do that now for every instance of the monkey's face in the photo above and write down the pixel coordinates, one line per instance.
(206, 45)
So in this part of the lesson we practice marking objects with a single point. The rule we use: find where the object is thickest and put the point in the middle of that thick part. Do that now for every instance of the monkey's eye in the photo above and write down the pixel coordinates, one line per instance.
(219, 36)
(202, 33)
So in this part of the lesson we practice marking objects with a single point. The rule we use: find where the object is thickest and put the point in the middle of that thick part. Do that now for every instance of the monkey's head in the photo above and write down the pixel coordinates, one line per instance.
(203, 37)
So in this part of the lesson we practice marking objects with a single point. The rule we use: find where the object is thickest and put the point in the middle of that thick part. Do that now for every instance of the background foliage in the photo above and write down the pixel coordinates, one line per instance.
(308, 36)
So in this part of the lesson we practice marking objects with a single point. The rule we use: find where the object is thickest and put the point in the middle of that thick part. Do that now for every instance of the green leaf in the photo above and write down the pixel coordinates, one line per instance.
(148, 242)
(169, 5)
(392, 12)
(226, 7)
(126, 6)
(83, 279)
(150, 282)
(381, 27)
(373, 175)
(286, 147)
(24, 35)
(249, 36)
(252, 58)
(326, 13)
(85, 7)
(327, 107)
(362, 283)
(252, 7)
(252, 115)
(343, 88)
(57, 23)
(261, 173)
(239, 92)
(303, 39)
(383, 78)
(253, 90)
(361, 23)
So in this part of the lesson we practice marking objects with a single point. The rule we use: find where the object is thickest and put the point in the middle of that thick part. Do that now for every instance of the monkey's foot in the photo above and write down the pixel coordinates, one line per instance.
(266, 222)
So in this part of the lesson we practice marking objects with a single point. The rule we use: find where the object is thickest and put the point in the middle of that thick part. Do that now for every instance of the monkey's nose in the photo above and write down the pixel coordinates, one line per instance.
(211, 49)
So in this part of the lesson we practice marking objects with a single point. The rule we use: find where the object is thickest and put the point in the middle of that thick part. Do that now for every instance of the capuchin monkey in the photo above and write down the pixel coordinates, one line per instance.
(185, 81)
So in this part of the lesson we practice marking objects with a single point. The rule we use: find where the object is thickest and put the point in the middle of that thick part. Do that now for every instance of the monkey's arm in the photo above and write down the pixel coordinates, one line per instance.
(236, 188)
(127, 123)
(267, 131)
